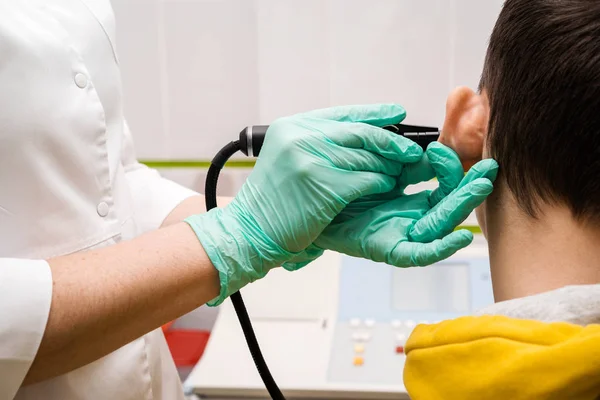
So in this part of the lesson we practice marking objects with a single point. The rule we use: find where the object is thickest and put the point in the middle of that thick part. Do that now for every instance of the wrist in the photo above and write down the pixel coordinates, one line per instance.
(239, 252)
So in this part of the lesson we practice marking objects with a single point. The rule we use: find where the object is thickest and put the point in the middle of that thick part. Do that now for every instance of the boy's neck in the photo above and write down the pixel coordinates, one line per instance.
(530, 256)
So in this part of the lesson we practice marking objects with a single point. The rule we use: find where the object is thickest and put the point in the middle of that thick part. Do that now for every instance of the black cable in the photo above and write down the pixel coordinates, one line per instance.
(210, 194)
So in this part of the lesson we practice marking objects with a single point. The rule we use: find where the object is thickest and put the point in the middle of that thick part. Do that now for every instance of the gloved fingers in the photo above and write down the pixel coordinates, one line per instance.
(372, 114)
(413, 207)
(417, 172)
(384, 211)
(487, 168)
(448, 170)
(438, 161)
(376, 140)
(372, 237)
(451, 211)
(359, 184)
(363, 160)
(364, 204)
(423, 254)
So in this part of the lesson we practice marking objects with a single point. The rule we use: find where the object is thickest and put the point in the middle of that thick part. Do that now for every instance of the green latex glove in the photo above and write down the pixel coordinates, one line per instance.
(411, 230)
(311, 167)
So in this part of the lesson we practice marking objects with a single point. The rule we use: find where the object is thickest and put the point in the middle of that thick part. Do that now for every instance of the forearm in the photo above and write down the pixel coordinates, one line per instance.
(104, 299)
(191, 206)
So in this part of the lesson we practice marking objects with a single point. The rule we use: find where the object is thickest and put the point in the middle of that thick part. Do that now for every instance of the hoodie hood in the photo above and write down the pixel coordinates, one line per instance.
(511, 357)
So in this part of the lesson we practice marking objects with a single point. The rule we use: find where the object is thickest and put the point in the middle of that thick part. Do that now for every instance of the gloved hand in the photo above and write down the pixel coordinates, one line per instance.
(410, 230)
(311, 167)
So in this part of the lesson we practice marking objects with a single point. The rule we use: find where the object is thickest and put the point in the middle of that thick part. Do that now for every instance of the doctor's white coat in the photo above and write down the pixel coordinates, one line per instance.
(69, 181)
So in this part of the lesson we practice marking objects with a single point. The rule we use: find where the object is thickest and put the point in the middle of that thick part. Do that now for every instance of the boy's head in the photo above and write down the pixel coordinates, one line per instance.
(538, 107)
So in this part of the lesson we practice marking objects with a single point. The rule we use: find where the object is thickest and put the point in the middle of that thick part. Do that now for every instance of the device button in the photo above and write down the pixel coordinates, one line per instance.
(361, 337)
(401, 337)
(410, 323)
(369, 323)
(399, 349)
(359, 348)
(396, 324)
(358, 361)
(355, 322)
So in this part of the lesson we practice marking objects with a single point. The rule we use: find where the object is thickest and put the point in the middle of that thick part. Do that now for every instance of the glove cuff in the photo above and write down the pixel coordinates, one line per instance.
(241, 253)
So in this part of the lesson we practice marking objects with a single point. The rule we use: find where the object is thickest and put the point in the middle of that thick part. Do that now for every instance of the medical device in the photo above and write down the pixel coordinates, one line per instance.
(337, 328)
(252, 137)
(250, 143)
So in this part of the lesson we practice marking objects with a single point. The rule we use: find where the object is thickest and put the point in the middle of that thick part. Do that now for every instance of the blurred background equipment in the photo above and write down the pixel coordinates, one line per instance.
(337, 328)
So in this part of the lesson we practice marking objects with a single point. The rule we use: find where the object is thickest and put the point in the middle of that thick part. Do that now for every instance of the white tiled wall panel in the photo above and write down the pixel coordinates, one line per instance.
(391, 51)
(140, 57)
(473, 22)
(211, 62)
(197, 71)
(230, 179)
(293, 57)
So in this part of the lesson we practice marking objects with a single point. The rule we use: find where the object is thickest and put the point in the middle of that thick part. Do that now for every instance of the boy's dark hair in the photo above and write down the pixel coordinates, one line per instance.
(542, 76)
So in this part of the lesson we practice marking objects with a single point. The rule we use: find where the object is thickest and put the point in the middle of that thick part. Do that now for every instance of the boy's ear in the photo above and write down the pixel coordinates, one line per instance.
(465, 126)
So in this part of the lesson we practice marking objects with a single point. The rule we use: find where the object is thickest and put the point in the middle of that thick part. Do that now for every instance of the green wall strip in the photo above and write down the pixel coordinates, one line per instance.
(199, 164)
(194, 163)
(473, 228)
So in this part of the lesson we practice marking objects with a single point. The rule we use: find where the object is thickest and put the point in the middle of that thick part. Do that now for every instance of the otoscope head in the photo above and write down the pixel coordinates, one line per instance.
(421, 135)
(252, 139)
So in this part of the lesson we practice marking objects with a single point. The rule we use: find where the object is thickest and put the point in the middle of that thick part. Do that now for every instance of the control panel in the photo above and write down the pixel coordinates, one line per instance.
(379, 306)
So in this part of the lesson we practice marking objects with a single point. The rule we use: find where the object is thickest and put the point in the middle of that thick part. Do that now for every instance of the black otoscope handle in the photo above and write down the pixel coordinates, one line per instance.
(252, 137)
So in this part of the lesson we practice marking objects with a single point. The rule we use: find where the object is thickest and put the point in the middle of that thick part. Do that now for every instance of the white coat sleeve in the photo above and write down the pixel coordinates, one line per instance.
(154, 197)
(25, 297)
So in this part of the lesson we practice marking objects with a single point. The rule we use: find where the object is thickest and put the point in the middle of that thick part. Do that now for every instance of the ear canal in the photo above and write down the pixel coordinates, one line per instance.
(465, 125)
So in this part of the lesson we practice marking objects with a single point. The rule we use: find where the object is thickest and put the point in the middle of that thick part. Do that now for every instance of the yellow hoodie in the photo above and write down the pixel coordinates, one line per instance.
(497, 357)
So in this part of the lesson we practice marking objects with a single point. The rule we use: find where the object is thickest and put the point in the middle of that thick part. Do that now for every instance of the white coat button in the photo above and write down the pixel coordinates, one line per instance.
(102, 209)
(81, 80)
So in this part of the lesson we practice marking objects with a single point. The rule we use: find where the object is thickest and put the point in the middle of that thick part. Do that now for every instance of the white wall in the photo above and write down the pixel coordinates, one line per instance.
(197, 71)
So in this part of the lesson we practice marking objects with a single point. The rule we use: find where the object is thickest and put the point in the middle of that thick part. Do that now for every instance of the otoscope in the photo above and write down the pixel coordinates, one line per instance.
(250, 143)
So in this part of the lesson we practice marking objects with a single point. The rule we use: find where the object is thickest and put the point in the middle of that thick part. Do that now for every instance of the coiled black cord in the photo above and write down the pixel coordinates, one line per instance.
(210, 194)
